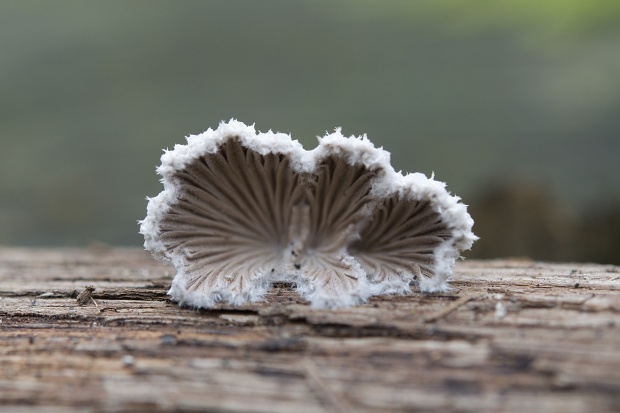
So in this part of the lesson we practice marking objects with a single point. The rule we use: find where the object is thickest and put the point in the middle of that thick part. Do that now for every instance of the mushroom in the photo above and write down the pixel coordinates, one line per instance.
(241, 210)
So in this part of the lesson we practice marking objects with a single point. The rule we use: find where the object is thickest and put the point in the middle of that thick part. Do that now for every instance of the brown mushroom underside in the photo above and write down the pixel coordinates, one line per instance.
(241, 215)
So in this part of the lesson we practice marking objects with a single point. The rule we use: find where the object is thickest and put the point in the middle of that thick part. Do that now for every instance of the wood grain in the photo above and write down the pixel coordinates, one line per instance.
(511, 336)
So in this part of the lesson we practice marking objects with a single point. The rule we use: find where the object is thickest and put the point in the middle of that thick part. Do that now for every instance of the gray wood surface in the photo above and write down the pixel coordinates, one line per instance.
(511, 336)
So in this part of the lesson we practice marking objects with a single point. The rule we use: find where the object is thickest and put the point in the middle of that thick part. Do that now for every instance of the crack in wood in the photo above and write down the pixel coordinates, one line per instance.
(449, 309)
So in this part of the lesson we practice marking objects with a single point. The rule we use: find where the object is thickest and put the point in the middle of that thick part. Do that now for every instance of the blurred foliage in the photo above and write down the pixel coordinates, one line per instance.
(91, 91)
(552, 17)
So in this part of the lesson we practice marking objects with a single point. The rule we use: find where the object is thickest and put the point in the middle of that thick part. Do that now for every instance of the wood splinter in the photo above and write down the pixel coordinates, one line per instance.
(86, 295)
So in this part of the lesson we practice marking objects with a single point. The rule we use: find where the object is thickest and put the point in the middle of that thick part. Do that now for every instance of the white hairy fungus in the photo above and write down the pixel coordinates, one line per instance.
(241, 210)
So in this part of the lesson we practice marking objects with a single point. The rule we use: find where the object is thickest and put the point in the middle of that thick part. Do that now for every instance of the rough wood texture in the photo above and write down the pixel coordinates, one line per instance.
(512, 336)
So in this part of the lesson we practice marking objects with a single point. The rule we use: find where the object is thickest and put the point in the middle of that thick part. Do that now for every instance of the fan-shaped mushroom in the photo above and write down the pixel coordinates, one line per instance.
(241, 210)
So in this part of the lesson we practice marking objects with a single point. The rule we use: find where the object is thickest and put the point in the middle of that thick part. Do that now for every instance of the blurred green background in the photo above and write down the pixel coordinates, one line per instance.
(515, 104)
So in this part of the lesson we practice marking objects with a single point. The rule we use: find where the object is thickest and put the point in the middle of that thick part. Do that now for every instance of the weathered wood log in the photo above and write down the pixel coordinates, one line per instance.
(511, 336)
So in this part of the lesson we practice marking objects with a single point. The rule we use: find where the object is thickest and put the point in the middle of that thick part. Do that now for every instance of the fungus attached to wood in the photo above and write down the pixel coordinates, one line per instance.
(242, 210)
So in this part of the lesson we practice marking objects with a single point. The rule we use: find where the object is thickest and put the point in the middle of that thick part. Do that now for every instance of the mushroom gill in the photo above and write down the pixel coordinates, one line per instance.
(241, 210)
(397, 243)
(337, 199)
(230, 223)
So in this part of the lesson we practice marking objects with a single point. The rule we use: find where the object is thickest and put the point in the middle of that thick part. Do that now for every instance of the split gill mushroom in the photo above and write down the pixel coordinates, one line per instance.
(241, 210)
